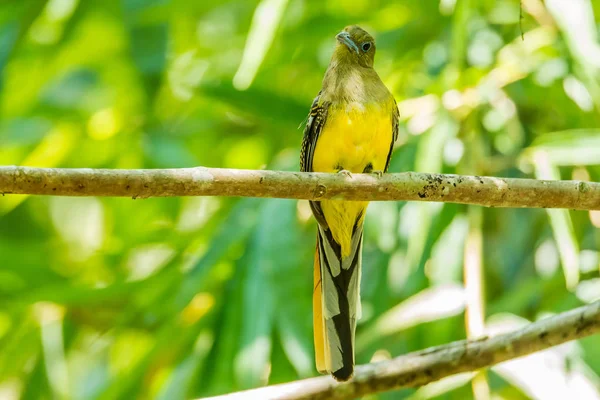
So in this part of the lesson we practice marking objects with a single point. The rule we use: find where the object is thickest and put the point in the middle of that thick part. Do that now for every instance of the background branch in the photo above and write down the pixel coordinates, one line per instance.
(419, 368)
(483, 191)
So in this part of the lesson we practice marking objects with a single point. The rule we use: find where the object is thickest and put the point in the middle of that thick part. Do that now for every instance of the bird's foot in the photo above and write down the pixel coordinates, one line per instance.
(345, 172)
(379, 173)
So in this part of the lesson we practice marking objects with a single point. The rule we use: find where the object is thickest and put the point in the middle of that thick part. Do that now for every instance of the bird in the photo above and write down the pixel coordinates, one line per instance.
(351, 128)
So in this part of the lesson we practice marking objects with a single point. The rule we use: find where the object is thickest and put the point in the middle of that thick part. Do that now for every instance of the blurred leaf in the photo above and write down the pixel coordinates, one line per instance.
(234, 230)
(562, 226)
(166, 152)
(13, 31)
(577, 22)
(439, 302)
(265, 22)
(148, 30)
(273, 246)
(428, 159)
(260, 103)
(255, 346)
(447, 253)
(23, 132)
(72, 90)
(445, 385)
(180, 380)
(571, 147)
(546, 374)
(50, 152)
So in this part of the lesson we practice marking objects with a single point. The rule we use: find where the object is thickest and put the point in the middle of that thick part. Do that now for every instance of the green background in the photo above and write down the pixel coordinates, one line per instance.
(111, 298)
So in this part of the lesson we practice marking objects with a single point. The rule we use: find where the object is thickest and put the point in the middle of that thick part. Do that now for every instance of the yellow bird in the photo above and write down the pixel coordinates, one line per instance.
(352, 127)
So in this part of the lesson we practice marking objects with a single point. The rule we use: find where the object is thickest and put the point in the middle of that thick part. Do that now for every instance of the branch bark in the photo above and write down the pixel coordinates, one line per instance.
(420, 368)
(476, 190)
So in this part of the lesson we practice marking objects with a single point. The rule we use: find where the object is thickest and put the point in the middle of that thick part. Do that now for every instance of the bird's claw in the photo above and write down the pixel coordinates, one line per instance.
(379, 173)
(345, 172)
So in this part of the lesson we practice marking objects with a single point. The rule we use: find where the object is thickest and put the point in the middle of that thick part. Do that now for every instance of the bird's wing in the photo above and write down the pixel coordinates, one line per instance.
(395, 127)
(314, 126)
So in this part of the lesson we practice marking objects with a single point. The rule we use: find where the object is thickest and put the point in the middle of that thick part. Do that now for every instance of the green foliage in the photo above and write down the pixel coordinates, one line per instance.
(186, 297)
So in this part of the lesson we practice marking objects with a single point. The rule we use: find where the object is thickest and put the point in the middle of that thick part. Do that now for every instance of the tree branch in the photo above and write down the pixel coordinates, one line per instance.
(420, 368)
(483, 191)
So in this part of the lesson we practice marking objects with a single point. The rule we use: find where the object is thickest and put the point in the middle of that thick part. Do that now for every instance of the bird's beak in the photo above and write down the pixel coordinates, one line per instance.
(344, 37)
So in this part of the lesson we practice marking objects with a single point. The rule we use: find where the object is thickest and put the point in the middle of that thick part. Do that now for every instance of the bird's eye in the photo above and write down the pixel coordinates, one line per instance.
(366, 46)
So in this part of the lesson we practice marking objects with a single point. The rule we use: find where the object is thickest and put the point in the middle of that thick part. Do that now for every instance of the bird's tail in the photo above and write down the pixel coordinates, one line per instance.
(336, 303)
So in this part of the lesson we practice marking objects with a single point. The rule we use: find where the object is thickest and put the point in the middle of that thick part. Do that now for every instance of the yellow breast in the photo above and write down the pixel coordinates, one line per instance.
(353, 137)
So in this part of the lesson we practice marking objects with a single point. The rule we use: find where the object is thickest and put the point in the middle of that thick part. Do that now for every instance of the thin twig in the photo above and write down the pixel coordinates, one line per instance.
(419, 368)
(142, 183)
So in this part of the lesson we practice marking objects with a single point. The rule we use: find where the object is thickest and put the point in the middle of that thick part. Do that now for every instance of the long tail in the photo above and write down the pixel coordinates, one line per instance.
(336, 303)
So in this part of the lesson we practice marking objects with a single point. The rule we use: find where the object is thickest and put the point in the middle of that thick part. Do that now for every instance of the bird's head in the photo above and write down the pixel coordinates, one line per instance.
(355, 45)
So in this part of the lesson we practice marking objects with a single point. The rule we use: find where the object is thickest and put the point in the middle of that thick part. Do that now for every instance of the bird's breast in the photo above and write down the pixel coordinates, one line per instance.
(354, 137)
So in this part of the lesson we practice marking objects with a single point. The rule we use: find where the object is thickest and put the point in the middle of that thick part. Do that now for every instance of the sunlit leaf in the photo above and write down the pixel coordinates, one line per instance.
(554, 372)
(561, 223)
(571, 147)
(431, 304)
